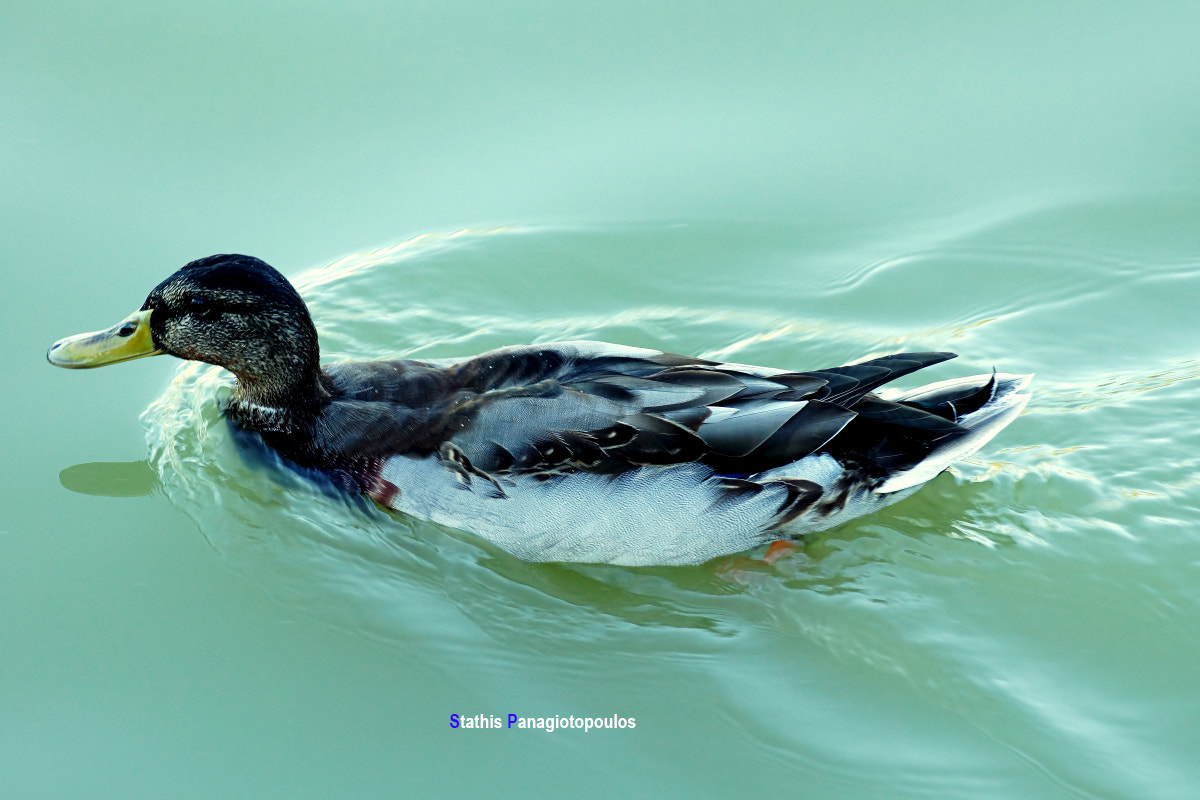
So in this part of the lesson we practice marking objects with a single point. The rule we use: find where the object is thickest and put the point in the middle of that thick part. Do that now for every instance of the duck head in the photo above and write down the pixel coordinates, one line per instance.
(234, 311)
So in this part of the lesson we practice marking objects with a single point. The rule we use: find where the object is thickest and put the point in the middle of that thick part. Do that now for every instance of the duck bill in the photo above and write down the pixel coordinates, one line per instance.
(128, 339)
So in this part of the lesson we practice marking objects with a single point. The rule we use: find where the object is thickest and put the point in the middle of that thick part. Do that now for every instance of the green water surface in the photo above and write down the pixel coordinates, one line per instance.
(789, 184)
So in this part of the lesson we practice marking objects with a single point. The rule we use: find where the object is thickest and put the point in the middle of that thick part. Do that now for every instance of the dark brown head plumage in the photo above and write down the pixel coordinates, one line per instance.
(239, 313)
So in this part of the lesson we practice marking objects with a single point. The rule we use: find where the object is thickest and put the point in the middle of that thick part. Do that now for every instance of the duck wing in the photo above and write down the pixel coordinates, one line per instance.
(583, 406)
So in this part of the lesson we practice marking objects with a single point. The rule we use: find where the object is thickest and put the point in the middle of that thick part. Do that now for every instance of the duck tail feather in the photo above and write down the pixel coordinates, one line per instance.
(979, 426)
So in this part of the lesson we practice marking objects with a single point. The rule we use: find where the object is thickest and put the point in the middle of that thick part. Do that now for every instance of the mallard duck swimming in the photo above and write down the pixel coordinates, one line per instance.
(573, 451)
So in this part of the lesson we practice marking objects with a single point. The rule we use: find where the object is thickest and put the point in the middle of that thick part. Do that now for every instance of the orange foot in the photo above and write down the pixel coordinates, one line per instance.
(744, 570)
(777, 550)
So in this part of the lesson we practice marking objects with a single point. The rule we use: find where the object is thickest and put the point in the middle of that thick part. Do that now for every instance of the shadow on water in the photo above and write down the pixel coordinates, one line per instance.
(111, 479)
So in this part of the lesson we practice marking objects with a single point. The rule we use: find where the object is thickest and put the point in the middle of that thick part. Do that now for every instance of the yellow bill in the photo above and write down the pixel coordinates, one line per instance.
(128, 339)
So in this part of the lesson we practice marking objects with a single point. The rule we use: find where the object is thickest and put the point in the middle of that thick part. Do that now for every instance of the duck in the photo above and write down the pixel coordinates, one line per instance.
(573, 451)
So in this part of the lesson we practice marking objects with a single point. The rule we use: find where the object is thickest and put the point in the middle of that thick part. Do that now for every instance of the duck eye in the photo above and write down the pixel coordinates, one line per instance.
(200, 307)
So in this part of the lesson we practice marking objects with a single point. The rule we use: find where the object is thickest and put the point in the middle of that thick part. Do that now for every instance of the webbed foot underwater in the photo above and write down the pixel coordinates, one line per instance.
(570, 451)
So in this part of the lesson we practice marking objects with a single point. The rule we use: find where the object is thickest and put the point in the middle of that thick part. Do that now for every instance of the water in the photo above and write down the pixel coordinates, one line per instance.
(775, 183)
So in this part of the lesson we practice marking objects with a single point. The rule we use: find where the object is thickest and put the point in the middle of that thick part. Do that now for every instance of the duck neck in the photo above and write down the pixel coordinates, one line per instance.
(284, 403)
